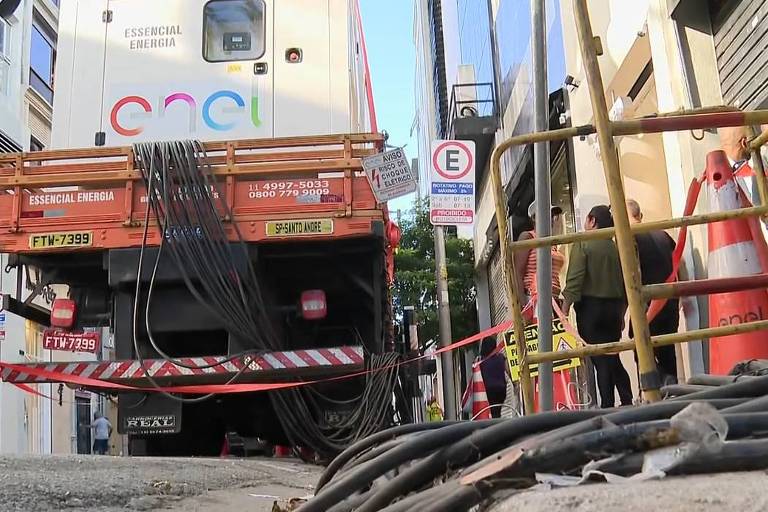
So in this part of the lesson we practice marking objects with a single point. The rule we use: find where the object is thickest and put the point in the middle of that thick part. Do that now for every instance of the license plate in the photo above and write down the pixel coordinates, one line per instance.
(69, 239)
(306, 227)
(54, 339)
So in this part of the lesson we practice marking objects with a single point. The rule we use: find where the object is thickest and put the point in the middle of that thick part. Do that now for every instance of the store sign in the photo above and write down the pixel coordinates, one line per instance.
(452, 183)
(389, 174)
(55, 339)
(151, 424)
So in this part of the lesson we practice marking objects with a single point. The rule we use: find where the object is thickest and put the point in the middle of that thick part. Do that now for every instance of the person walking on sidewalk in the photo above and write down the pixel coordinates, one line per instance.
(102, 430)
(493, 369)
(655, 250)
(595, 288)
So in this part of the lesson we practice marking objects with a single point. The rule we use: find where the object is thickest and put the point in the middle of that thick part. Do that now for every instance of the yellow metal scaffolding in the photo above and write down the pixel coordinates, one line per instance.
(637, 294)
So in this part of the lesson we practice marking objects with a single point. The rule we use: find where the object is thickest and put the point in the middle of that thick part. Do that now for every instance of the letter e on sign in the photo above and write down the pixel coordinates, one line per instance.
(452, 182)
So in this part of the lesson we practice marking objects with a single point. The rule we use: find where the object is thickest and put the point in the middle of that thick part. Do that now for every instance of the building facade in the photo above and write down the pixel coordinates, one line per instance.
(659, 56)
(501, 54)
(56, 419)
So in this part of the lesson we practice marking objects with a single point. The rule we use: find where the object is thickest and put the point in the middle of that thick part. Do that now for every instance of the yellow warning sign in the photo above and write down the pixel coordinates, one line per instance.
(561, 340)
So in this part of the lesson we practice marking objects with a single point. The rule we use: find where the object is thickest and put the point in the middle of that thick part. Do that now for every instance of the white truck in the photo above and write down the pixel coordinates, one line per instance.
(266, 86)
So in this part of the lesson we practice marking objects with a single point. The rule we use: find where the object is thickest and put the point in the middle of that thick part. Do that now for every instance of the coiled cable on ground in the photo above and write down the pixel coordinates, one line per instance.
(425, 468)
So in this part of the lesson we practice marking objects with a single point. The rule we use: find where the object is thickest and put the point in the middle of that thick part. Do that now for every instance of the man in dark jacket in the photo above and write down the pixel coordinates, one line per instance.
(655, 250)
(493, 369)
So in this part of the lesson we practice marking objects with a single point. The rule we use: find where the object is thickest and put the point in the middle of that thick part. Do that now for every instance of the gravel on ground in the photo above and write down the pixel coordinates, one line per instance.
(86, 483)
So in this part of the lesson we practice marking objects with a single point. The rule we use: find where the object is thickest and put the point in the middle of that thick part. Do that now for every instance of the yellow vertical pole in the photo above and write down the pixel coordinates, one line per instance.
(510, 280)
(650, 381)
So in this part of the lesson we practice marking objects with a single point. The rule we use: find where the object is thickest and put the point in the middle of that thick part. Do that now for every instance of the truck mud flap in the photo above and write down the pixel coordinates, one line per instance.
(148, 414)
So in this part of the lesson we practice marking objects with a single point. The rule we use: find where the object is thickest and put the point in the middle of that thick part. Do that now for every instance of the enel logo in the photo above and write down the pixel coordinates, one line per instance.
(230, 103)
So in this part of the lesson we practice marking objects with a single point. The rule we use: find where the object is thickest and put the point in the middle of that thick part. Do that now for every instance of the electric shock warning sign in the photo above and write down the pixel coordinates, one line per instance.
(561, 340)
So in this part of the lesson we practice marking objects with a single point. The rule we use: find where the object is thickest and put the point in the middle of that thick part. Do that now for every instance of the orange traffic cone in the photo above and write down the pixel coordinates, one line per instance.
(480, 406)
(736, 248)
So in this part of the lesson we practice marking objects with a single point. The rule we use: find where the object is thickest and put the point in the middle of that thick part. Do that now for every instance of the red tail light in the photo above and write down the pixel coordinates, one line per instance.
(63, 313)
(313, 305)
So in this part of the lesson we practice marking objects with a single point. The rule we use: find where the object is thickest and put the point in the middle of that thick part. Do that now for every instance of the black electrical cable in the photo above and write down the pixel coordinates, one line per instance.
(375, 452)
(477, 443)
(717, 380)
(365, 444)
(620, 416)
(456, 497)
(740, 425)
(682, 389)
(623, 416)
(135, 321)
(742, 388)
(565, 453)
(364, 474)
(416, 501)
(351, 503)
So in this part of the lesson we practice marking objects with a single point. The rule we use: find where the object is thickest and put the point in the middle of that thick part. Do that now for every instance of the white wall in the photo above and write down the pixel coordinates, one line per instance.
(424, 123)
(26, 422)
(11, 103)
(618, 23)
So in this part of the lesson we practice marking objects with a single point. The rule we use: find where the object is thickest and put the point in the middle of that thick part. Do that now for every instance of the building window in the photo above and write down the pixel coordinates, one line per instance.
(35, 145)
(5, 55)
(233, 30)
(5, 29)
(42, 59)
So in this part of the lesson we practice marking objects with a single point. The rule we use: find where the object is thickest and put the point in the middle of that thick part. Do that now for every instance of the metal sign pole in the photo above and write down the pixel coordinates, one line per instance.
(444, 321)
(543, 190)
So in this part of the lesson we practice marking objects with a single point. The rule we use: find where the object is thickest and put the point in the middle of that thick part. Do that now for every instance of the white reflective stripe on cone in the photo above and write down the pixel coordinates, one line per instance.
(735, 260)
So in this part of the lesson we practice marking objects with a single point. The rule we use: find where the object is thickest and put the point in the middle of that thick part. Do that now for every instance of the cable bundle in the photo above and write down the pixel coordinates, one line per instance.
(371, 411)
(188, 205)
(421, 467)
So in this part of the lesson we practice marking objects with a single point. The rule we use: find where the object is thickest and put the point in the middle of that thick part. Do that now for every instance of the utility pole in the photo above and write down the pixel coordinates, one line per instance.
(444, 321)
(543, 191)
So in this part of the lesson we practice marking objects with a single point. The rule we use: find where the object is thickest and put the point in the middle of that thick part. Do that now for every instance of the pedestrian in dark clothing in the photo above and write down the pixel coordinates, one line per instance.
(595, 288)
(655, 250)
(493, 369)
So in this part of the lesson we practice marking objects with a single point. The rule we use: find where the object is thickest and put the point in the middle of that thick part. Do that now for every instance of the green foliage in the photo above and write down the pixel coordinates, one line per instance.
(415, 276)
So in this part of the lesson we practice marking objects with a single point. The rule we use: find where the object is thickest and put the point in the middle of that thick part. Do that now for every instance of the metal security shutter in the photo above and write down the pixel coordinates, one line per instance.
(7, 144)
(496, 290)
(740, 30)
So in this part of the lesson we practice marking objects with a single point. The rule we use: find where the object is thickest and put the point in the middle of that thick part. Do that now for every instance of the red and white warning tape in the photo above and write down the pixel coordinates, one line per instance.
(349, 358)
(55, 374)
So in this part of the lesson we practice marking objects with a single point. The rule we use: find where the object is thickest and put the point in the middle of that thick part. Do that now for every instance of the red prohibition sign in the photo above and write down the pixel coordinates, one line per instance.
(443, 173)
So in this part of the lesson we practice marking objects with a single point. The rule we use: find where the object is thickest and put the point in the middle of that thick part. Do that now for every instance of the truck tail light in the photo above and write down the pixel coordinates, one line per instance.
(313, 305)
(63, 313)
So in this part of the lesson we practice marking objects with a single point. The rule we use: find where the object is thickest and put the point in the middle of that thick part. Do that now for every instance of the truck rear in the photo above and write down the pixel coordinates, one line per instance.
(262, 258)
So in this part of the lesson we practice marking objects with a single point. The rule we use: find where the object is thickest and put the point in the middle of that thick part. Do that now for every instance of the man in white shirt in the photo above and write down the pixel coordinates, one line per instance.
(734, 140)
(102, 430)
